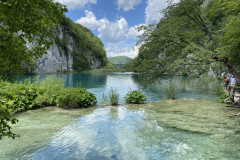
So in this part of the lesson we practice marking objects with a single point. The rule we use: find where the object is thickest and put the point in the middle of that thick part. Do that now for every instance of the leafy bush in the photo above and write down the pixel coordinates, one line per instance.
(75, 98)
(222, 95)
(6, 119)
(51, 88)
(113, 96)
(135, 97)
(170, 90)
(22, 95)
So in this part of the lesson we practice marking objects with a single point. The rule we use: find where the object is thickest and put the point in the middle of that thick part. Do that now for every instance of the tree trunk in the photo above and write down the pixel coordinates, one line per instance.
(232, 70)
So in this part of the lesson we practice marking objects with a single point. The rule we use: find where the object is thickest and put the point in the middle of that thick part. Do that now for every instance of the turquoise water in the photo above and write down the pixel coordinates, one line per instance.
(100, 83)
(168, 130)
(193, 127)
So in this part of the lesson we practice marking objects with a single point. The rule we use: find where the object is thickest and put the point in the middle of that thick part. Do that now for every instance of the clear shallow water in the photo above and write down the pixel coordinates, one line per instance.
(100, 83)
(181, 129)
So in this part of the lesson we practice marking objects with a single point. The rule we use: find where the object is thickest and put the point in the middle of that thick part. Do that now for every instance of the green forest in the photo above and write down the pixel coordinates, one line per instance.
(192, 36)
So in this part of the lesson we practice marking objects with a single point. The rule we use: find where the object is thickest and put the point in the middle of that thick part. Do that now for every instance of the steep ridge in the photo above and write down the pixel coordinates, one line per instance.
(74, 48)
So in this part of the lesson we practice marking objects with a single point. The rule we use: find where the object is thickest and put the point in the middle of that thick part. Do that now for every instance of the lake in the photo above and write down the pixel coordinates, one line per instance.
(100, 83)
(192, 127)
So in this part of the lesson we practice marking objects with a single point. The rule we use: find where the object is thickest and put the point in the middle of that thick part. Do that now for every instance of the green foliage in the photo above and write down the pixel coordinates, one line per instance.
(51, 88)
(75, 98)
(188, 40)
(170, 90)
(135, 97)
(222, 94)
(29, 67)
(113, 96)
(20, 95)
(104, 99)
(6, 119)
(25, 22)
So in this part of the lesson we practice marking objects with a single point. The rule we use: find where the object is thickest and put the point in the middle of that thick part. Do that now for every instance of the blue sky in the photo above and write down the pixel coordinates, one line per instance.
(115, 21)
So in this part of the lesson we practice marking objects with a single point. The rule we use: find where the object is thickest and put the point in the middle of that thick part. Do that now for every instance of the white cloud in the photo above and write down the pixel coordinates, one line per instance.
(127, 4)
(114, 34)
(76, 4)
(90, 21)
(132, 53)
(153, 9)
(133, 32)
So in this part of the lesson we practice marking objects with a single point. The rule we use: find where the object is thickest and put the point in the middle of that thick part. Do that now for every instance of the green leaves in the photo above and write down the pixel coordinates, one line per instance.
(113, 96)
(25, 32)
(188, 39)
(135, 97)
(75, 98)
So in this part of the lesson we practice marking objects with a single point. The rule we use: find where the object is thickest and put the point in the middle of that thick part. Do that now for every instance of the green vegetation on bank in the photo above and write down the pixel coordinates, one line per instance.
(15, 97)
(170, 90)
(113, 96)
(193, 37)
(135, 97)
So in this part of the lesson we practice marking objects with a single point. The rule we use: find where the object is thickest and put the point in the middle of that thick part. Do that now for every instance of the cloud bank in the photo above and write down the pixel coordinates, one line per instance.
(127, 4)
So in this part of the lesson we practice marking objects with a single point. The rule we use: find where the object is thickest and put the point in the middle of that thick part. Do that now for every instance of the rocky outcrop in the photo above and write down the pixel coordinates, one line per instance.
(68, 52)
(54, 62)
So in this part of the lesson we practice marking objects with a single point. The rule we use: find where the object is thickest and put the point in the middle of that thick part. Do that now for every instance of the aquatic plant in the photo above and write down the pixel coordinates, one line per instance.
(75, 98)
(170, 90)
(50, 87)
(104, 99)
(113, 96)
(135, 97)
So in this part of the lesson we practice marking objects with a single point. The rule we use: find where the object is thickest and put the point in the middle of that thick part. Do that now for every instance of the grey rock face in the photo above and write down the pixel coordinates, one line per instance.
(54, 62)
(58, 59)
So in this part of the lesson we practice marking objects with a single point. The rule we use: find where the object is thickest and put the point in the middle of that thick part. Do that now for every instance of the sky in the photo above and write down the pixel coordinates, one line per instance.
(115, 21)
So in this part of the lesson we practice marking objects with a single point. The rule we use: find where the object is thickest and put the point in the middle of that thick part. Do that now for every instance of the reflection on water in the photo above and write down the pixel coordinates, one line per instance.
(100, 83)
(183, 129)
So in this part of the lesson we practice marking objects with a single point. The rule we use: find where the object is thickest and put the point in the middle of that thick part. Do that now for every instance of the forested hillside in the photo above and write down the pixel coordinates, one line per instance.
(87, 47)
(193, 37)
(119, 60)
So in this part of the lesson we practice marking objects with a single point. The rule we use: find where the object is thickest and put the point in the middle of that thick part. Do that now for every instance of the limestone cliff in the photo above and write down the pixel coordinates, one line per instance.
(74, 48)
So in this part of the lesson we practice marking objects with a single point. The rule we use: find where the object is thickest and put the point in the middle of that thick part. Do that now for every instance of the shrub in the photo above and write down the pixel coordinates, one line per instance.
(6, 119)
(170, 90)
(50, 87)
(135, 97)
(222, 95)
(113, 96)
(75, 98)
(104, 99)
(22, 94)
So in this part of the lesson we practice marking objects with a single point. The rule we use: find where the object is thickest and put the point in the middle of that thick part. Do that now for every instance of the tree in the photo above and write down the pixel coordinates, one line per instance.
(25, 32)
(187, 38)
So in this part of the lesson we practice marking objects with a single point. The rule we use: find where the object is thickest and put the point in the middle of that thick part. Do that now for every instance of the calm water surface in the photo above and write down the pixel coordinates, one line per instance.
(100, 83)
(180, 129)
